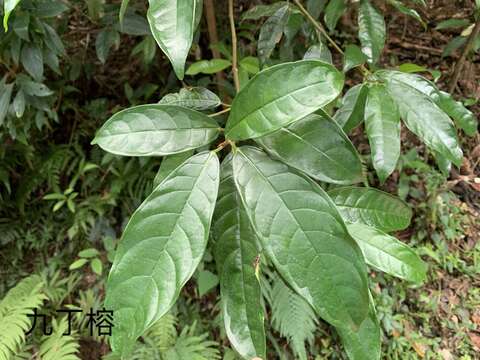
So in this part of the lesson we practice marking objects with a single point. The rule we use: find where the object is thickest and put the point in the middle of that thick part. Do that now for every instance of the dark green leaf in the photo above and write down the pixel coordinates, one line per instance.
(304, 236)
(386, 253)
(371, 207)
(382, 124)
(32, 60)
(318, 52)
(259, 11)
(172, 23)
(452, 24)
(235, 254)
(33, 88)
(315, 7)
(123, 10)
(53, 41)
(281, 95)
(19, 104)
(196, 98)
(317, 146)
(371, 30)
(169, 164)
(463, 117)
(208, 66)
(160, 248)
(351, 112)
(353, 57)
(408, 11)
(134, 24)
(104, 42)
(334, 12)
(5, 96)
(160, 130)
(454, 44)
(20, 26)
(271, 33)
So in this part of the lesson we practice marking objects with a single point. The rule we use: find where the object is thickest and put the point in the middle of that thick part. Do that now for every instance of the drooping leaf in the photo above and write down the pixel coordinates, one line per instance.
(8, 7)
(351, 112)
(208, 66)
(382, 123)
(317, 146)
(5, 97)
(304, 236)
(281, 95)
(463, 117)
(105, 41)
(259, 11)
(271, 33)
(318, 52)
(353, 57)
(333, 12)
(371, 207)
(32, 60)
(454, 44)
(123, 10)
(235, 254)
(408, 11)
(443, 163)
(155, 129)
(386, 253)
(172, 23)
(196, 98)
(160, 248)
(422, 116)
(371, 30)
(169, 164)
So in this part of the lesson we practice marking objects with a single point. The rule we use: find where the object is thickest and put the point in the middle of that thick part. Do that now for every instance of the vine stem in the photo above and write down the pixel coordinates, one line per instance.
(236, 80)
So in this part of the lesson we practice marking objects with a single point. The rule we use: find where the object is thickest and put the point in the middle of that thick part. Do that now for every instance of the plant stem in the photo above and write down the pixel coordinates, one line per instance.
(213, 36)
(234, 46)
(220, 112)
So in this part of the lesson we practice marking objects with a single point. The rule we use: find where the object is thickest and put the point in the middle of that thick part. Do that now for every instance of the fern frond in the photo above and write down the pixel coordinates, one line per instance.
(58, 346)
(14, 311)
(163, 333)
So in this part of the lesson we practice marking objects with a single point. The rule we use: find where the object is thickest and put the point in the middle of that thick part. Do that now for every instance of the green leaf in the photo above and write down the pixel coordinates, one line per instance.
(235, 255)
(19, 104)
(319, 51)
(353, 57)
(463, 118)
(33, 88)
(104, 42)
(250, 64)
(386, 253)
(123, 10)
(454, 44)
(281, 95)
(169, 164)
(452, 24)
(259, 11)
(382, 123)
(334, 12)
(411, 68)
(8, 7)
(5, 97)
(157, 130)
(365, 343)
(96, 266)
(208, 66)
(88, 253)
(271, 33)
(317, 146)
(206, 281)
(408, 11)
(304, 236)
(32, 60)
(422, 116)
(173, 23)
(371, 30)
(77, 264)
(196, 98)
(351, 112)
(160, 248)
(371, 207)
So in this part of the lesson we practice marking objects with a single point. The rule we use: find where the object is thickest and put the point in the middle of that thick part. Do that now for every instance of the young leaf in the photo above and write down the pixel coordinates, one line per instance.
(160, 248)
(353, 57)
(281, 95)
(422, 116)
(271, 33)
(351, 112)
(173, 23)
(208, 66)
(235, 254)
(371, 207)
(317, 146)
(386, 253)
(8, 7)
(304, 236)
(334, 12)
(319, 52)
(382, 123)
(371, 30)
(157, 130)
(196, 98)
(170, 163)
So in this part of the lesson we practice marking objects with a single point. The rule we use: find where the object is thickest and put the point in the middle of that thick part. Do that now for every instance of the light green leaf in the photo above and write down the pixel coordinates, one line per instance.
(271, 33)
(250, 64)
(157, 130)
(5, 97)
(353, 57)
(123, 10)
(96, 266)
(281, 95)
(196, 98)
(411, 68)
(304, 236)
(208, 66)
(88, 253)
(259, 11)
(371, 30)
(77, 264)
(382, 123)
(464, 118)
(206, 281)
(422, 116)
(169, 164)
(160, 248)
(319, 51)
(386, 253)
(8, 7)
(351, 112)
(317, 146)
(173, 23)
(334, 12)
(32, 60)
(372, 207)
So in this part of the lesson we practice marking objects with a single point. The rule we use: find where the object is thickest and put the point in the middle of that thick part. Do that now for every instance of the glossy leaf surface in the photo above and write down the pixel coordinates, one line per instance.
(353, 57)
(208, 66)
(333, 12)
(317, 146)
(281, 95)
(170, 163)
(271, 33)
(304, 236)
(382, 123)
(371, 207)
(196, 98)
(8, 7)
(173, 23)
(386, 253)
(351, 112)
(160, 248)
(235, 254)
(371, 30)
(159, 130)
(318, 52)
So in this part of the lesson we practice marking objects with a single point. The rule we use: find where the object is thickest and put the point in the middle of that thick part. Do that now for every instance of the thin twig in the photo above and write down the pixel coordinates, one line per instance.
(213, 37)
(220, 112)
(234, 46)
(468, 47)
